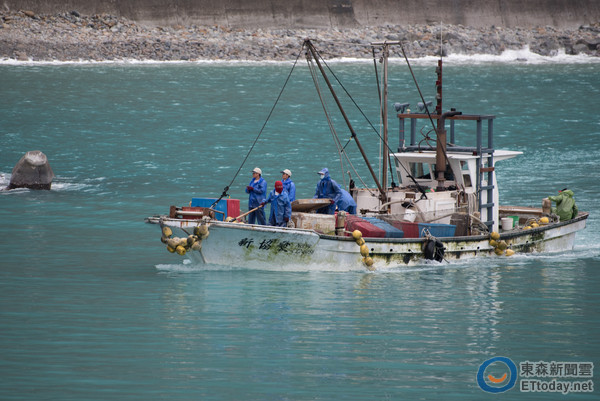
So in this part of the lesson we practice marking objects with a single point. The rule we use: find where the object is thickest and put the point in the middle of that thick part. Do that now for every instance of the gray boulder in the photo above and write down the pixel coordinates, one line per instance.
(33, 171)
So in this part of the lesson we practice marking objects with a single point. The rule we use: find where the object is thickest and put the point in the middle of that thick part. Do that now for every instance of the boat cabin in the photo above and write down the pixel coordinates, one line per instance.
(468, 184)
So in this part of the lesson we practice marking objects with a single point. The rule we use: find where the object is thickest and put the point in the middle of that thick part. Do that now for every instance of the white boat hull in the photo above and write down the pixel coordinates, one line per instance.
(262, 247)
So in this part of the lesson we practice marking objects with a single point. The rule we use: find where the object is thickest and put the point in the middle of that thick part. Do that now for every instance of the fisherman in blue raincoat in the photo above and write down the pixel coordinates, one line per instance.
(257, 188)
(288, 184)
(281, 207)
(329, 189)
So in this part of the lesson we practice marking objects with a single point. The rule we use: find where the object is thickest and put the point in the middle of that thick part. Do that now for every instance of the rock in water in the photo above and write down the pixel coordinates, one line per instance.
(33, 171)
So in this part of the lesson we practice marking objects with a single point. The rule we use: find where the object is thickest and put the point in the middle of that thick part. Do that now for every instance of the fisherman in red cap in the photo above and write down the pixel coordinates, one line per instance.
(281, 207)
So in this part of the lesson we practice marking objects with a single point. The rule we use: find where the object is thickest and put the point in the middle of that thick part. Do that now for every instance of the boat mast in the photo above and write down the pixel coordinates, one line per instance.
(313, 52)
(440, 154)
(441, 160)
(384, 98)
(384, 106)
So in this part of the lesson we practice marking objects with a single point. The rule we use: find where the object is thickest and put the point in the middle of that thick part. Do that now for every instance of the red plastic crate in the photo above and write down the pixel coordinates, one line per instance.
(233, 207)
(367, 229)
(411, 229)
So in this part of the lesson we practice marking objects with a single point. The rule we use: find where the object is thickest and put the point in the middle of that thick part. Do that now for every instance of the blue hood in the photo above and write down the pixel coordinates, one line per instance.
(324, 171)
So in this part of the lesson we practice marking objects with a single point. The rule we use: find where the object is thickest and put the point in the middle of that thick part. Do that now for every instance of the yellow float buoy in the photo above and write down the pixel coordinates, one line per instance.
(495, 235)
(360, 241)
(502, 245)
(197, 246)
(527, 228)
(534, 225)
(544, 220)
(180, 250)
(493, 243)
(173, 242)
(167, 231)
(510, 252)
(498, 251)
(356, 234)
(170, 249)
(364, 250)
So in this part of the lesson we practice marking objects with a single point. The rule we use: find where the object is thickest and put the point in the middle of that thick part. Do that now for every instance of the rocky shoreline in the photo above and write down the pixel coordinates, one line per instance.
(26, 36)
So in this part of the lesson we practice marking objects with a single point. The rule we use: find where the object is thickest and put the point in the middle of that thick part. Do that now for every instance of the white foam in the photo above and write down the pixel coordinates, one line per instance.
(519, 56)
(522, 56)
(59, 183)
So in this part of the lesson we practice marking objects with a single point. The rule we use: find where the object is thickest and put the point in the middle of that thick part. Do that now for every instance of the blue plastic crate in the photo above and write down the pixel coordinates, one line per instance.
(390, 230)
(207, 202)
(437, 230)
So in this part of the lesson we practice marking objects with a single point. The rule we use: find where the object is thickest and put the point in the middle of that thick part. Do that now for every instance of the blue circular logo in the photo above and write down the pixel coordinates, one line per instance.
(497, 384)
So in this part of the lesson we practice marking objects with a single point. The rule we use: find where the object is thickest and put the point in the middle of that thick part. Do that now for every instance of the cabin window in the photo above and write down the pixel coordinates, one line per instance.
(467, 180)
(464, 167)
(420, 170)
(398, 177)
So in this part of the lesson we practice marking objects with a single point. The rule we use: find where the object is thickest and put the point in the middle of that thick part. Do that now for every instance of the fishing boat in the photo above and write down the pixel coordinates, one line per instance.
(442, 203)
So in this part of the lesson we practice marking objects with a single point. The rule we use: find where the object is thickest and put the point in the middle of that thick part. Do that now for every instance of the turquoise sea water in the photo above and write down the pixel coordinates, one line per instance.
(92, 307)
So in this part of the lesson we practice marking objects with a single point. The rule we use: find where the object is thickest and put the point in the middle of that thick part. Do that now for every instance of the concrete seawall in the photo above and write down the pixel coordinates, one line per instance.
(329, 13)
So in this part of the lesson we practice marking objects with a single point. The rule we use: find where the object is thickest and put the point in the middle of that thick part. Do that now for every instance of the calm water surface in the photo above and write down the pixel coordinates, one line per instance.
(92, 307)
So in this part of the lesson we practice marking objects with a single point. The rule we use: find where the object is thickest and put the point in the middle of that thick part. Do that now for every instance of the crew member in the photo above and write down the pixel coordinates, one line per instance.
(288, 184)
(565, 208)
(257, 188)
(281, 207)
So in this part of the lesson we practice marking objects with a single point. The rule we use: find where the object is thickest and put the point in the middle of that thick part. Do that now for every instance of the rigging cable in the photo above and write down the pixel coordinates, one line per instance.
(356, 105)
(381, 115)
(334, 134)
(341, 149)
(423, 99)
(417, 84)
(224, 194)
(419, 187)
(381, 111)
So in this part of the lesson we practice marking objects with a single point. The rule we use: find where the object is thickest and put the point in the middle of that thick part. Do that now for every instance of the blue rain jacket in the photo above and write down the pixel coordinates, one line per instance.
(346, 203)
(290, 187)
(258, 195)
(281, 208)
(328, 188)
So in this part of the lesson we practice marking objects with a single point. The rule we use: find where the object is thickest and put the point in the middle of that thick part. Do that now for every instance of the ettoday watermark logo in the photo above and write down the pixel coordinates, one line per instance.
(500, 374)
(497, 375)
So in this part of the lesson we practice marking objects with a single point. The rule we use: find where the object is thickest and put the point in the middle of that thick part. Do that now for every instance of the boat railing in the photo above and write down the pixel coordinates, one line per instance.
(413, 117)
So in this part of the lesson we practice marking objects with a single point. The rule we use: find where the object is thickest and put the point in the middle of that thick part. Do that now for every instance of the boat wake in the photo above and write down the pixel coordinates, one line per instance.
(189, 266)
